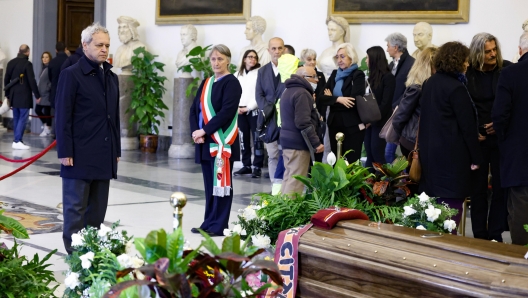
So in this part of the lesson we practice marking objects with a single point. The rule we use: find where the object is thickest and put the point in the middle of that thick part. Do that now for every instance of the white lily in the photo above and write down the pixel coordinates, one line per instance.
(72, 280)
(261, 241)
(87, 259)
(408, 211)
(331, 159)
(77, 240)
(103, 231)
(424, 199)
(449, 225)
(432, 213)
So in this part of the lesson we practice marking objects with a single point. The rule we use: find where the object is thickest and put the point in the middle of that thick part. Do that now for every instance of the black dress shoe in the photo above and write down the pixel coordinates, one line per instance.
(257, 172)
(243, 171)
(195, 230)
(211, 234)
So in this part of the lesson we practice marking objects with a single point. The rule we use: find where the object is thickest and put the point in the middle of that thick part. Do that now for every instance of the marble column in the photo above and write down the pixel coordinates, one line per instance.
(182, 144)
(129, 140)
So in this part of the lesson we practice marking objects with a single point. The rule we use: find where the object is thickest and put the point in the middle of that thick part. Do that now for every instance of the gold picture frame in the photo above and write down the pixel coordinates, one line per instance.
(202, 11)
(399, 11)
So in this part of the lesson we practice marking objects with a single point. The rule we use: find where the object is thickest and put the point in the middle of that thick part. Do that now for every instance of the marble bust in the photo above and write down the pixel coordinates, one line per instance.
(338, 33)
(2, 58)
(517, 56)
(423, 34)
(188, 35)
(128, 35)
(255, 27)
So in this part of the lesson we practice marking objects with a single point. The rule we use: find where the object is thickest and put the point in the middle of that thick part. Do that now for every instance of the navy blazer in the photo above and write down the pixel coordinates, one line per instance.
(224, 98)
(510, 122)
(265, 93)
(87, 121)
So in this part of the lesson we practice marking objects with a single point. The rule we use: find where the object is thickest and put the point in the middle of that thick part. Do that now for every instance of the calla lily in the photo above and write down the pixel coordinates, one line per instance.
(331, 159)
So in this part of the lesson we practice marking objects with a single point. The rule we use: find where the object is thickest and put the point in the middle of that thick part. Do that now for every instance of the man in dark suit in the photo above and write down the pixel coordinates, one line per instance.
(400, 66)
(510, 123)
(54, 69)
(269, 89)
(88, 141)
(19, 95)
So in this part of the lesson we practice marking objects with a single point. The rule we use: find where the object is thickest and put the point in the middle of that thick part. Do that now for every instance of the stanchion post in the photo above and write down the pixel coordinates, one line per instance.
(339, 137)
(178, 200)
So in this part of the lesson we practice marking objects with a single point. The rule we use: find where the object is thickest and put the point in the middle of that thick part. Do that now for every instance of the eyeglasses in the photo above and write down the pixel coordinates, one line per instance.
(312, 77)
(336, 57)
(251, 57)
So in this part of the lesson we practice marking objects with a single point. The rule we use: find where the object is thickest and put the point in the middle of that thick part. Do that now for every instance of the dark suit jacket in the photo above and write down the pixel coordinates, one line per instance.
(87, 121)
(265, 93)
(384, 94)
(54, 69)
(510, 121)
(225, 98)
(20, 95)
(74, 58)
(341, 116)
(402, 70)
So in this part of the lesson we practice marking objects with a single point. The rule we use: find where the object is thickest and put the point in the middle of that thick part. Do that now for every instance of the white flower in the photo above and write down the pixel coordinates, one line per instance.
(449, 225)
(72, 280)
(227, 232)
(103, 231)
(129, 247)
(420, 227)
(87, 260)
(432, 213)
(249, 213)
(408, 211)
(331, 158)
(261, 241)
(136, 262)
(77, 240)
(424, 199)
(125, 261)
(238, 229)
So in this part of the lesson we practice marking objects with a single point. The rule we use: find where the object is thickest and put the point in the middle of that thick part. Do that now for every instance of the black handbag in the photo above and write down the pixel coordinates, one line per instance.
(367, 106)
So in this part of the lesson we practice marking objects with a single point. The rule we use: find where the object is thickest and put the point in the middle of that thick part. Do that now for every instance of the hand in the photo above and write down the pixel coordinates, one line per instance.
(346, 101)
(67, 161)
(489, 128)
(197, 134)
(327, 92)
(199, 140)
(475, 167)
(481, 138)
(242, 110)
(367, 125)
(319, 148)
(313, 96)
(38, 100)
(118, 159)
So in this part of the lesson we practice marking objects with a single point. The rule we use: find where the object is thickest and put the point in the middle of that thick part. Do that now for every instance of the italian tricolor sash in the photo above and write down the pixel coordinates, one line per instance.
(223, 141)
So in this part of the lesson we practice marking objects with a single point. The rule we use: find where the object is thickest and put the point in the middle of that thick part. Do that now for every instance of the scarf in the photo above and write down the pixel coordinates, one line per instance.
(221, 148)
(340, 79)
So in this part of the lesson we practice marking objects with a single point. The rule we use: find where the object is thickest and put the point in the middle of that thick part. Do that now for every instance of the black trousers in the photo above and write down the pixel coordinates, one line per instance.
(490, 225)
(217, 209)
(375, 147)
(517, 213)
(84, 204)
(44, 111)
(247, 126)
(353, 140)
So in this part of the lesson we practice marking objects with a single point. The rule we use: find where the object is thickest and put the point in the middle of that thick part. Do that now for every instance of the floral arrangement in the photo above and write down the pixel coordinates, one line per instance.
(423, 213)
(249, 220)
(99, 254)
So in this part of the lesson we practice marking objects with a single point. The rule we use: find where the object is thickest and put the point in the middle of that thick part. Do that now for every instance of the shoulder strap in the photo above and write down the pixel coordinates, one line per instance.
(417, 134)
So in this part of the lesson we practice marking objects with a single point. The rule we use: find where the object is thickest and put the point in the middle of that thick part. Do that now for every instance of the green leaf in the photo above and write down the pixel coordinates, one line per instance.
(209, 243)
(155, 243)
(13, 226)
(195, 51)
(175, 245)
(231, 244)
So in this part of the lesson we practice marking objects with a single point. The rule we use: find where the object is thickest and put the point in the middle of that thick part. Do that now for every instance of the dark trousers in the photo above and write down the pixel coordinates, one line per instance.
(44, 111)
(489, 226)
(84, 204)
(517, 213)
(247, 126)
(375, 147)
(353, 140)
(217, 209)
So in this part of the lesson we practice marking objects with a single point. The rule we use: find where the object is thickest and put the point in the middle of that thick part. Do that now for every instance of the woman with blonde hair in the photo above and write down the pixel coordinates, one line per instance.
(406, 118)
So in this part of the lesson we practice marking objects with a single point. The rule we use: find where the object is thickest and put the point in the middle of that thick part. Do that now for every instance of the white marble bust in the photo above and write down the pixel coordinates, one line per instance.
(188, 35)
(517, 56)
(255, 27)
(128, 35)
(423, 34)
(338, 33)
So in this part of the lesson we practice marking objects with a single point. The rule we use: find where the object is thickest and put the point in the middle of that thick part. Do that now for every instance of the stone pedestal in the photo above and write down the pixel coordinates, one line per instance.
(129, 140)
(182, 144)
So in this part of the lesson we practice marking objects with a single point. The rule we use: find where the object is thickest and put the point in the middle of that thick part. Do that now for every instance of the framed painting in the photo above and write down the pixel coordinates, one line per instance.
(400, 11)
(202, 11)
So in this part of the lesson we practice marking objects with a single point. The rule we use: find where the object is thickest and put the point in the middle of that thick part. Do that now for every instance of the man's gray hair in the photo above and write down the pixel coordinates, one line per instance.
(523, 42)
(88, 32)
(192, 30)
(397, 39)
(477, 50)
(222, 49)
(308, 53)
(258, 24)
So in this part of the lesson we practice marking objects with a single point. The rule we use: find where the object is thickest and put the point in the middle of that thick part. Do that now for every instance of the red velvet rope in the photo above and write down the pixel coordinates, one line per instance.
(29, 160)
(37, 116)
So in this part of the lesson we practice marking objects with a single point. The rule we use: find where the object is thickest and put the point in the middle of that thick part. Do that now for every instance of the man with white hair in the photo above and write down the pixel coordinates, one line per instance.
(510, 122)
(87, 130)
(255, 27)
(128, 35)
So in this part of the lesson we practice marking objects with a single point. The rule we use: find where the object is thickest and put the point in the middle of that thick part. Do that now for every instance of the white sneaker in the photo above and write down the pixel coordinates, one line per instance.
(45, 132)
(20, 145)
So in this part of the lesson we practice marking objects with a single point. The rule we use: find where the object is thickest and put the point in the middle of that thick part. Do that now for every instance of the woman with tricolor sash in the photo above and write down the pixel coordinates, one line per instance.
(213, 121)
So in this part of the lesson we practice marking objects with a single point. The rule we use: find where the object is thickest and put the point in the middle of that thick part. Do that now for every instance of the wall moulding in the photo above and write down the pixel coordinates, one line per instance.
(401, 11)
(202, 11)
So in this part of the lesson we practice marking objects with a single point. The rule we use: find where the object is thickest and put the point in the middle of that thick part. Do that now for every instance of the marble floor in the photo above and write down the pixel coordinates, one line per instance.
(139, 198)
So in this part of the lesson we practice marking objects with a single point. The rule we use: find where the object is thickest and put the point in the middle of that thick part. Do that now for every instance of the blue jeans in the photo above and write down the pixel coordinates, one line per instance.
(390, 152)
(20, 117)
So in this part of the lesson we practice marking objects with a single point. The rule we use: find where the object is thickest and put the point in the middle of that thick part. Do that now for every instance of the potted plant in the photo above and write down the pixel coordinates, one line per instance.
(147, 105)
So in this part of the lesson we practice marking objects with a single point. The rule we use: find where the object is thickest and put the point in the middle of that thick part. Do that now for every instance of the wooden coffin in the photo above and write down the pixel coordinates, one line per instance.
(358, 260)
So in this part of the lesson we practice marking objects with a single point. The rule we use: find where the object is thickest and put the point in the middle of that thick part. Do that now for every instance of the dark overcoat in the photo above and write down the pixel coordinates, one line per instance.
(448, 138)
(225, 97)
(510, 121)
(20, 95)
(54, 69)
(402, 71)
(266, 93)
(87, 121)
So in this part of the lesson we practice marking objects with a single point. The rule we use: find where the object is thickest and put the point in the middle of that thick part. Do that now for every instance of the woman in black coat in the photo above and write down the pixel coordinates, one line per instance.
(382, 83)
(344, 84)
(448, 137)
